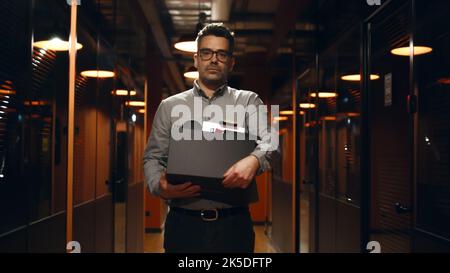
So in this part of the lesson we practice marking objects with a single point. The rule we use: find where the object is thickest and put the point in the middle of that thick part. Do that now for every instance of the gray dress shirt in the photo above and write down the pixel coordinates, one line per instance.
(156, 151)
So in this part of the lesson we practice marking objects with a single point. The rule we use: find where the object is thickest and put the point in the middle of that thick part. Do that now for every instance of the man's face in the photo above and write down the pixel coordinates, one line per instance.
(213, 60)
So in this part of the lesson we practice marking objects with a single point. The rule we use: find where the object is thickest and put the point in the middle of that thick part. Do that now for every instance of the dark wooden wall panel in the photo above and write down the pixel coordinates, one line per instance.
(84, 226)
(14, 241)
(48, 234)
(424, 243)
(135, 218)
(327, 224)
(348, 228)
(282, 216)
(104, 225)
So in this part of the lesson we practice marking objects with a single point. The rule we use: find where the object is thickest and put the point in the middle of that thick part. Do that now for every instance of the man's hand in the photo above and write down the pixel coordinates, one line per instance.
(240, 175)
(169, 191)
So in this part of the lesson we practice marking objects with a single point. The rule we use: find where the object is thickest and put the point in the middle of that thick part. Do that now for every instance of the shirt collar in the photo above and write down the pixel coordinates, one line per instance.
(199, 92)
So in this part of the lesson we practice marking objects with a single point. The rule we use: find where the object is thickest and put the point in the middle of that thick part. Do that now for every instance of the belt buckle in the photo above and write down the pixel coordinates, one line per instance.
(209, 219)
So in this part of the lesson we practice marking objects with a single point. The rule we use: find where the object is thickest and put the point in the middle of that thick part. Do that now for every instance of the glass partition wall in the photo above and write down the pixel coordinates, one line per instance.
(108, 131)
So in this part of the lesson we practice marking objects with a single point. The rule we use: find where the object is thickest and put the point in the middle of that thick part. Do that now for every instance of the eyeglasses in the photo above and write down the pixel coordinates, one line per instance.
(206, 54)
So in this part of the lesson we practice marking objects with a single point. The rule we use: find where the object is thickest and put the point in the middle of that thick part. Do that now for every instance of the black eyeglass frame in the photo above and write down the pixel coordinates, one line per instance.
(222, 59)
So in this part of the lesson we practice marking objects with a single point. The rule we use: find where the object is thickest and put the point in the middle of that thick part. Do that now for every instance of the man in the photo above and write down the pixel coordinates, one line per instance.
(194, 224)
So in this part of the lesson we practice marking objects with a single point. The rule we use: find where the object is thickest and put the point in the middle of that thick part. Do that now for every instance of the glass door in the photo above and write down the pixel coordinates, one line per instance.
(307, 161)
(390, 127)
(432, 88)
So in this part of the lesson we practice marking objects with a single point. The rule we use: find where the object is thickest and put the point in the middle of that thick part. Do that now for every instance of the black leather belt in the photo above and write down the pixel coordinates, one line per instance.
(211, 214)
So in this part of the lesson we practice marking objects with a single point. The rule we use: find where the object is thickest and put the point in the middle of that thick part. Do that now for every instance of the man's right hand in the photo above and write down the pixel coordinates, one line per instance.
(169, 191)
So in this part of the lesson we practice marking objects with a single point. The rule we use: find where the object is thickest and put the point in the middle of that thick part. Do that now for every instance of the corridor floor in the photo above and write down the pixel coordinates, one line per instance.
(154, 242)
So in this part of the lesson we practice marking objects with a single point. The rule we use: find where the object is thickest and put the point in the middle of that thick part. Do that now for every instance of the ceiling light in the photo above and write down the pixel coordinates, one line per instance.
(406, 51)
(287, 112)
(280, 118)
(98, 74)
(123, 92)
(324, 95)
(135, 103)
(328, 118)
(357, 77)
(7, 92)
(187, 43)
(444, 81)
(307, 105)
(191, 73)
(142, 111)
(352, 114)
(55, 44)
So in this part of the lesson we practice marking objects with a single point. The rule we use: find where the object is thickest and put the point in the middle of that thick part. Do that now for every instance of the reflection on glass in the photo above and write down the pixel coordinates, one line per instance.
(433, 90)
(306, 105)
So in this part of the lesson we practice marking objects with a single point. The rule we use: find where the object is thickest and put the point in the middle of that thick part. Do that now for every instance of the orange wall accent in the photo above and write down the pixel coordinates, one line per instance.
(154, 92)
(258, 209)
(151, 203)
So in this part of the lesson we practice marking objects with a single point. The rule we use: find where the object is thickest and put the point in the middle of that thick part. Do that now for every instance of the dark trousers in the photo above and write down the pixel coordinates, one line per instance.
(191, 234)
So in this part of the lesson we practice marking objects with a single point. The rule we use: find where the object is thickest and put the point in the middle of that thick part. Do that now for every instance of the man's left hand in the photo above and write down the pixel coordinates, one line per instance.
(241, 174)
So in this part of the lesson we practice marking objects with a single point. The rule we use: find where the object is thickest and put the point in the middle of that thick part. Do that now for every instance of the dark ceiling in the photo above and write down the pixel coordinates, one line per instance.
(271, 30)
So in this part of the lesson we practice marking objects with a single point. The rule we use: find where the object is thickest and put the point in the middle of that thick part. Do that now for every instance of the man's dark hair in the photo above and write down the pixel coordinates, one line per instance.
(219, 30)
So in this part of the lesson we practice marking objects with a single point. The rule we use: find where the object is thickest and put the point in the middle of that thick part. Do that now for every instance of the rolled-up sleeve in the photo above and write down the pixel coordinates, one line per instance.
(264, 150)
(156, 151)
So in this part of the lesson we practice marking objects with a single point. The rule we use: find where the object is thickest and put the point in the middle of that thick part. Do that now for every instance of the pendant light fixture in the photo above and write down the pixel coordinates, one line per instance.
(324, 95)
(287, 112)
(104, 68)
(191, 73)
(98, 73)
(357, 77)
(55, 44)
(307, 105)
(135, 103)
(54, 37)
(406, 51)
(188, 43)
(123, 92)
